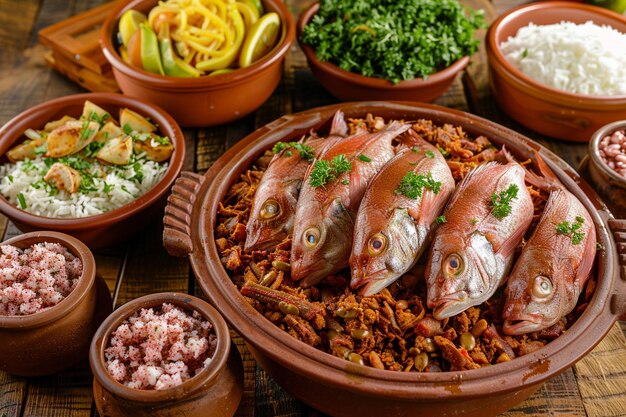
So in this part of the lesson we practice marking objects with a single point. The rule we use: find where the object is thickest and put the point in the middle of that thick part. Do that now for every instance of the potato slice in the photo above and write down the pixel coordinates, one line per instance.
(109, 131)
(157, 151)
(90, 109)
(134, 121)
(50, 126)
(25, 150)
(117, 151)
(63, 177)
(71, 138)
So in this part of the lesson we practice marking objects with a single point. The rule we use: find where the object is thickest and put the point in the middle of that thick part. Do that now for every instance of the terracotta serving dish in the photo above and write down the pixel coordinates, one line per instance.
(116, 225)
(349, 86)
(315, 376)
(545, 109)
(214, 392)
(202, 101)
(608, 183)
(58, 337)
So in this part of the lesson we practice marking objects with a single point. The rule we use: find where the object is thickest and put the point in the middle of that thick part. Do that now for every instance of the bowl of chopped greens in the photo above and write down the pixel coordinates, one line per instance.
(95, 166)
(388, 50)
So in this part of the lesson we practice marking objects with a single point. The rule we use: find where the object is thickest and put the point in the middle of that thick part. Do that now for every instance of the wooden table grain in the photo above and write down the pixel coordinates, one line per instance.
(595, 387)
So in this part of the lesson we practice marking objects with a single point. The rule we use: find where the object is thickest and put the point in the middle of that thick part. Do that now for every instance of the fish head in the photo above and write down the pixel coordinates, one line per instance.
(271, 214)
(381, 255)
(461, 273)
(321, 244)
(536, 291)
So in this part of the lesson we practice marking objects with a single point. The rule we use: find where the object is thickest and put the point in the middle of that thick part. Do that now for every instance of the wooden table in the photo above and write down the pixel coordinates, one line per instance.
(596, 386)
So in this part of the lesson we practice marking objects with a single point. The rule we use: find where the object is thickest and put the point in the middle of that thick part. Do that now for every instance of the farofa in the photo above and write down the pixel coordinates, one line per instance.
(393, 329)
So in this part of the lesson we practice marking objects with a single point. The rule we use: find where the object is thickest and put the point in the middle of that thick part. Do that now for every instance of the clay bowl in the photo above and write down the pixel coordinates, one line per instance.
(547, 110)
(202, 101)
(214, 392)
(349, 86)
(314, 376)
(608, 183)
(116, 225)
(65, 329)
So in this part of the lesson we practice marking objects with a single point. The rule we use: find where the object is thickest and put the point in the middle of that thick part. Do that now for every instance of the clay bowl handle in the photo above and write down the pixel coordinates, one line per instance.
(618, 301)
(177, 219)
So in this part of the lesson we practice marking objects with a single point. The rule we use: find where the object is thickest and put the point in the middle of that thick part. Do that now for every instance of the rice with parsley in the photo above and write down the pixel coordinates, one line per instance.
(102, 187)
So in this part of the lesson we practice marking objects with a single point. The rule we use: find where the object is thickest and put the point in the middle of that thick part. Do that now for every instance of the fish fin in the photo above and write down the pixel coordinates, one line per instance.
(508, 246)
(476, 172)
(546, 179)
(339, 126)
(504, 156)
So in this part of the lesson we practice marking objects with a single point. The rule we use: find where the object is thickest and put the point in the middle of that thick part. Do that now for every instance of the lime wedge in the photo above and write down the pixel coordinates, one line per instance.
(129, 23)
(150, 55)
(256, 4)
(260, 39)
(172, 64)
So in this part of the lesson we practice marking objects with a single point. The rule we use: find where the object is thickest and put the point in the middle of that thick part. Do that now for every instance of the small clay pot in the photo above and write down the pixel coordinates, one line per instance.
(117, 225)
(337, 386)
(205, 100)
(608, 183)
(57, 338)
(350, 86)
(548, 110)
(214, 392)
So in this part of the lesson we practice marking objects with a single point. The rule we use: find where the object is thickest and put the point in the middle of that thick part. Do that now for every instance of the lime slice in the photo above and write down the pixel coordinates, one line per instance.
(172, 64)
(256, 4)
(260, 39)
(150, 55)
(249, 13)
(129, 23)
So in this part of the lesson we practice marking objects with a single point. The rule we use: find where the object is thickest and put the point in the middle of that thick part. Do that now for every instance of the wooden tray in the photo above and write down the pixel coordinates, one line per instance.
(75, 49)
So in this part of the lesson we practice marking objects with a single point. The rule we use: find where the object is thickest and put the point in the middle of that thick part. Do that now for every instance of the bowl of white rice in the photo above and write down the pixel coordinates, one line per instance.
(559, 68)
(116, 202)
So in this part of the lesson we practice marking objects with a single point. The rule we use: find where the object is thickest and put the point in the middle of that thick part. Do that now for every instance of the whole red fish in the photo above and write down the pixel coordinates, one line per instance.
(274, 204)
(472, 251)
(329, 200)
(553, 267)
(396, 216)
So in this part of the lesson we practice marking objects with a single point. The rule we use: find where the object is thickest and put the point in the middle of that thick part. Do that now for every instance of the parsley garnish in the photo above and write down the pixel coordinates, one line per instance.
(599, 246)
(345, 182)
(474, 222)
(501, 202)
(415, 149)
(306, 152)
(326, 171)
(40, 150)
(92, 149)
(413, 184)
(429, 154)
(393, 40)
(10, 177)
(572, 230)
(441, 220)
(443, 151)
(127, 129)
(93, 116)
(525, 53)
(85, 132)
(161, 140)
(108, 187)
(364, 158)
(412, 163)
(21, 200)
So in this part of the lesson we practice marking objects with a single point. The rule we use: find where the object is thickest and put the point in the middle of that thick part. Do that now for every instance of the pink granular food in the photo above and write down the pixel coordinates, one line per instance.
(613, 151)
(36, 278)
(160, 349)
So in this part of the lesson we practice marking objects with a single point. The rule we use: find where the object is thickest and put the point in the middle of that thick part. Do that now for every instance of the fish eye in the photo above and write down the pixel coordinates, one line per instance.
(311, 237)
(453, 265)
(377, 244)
(542, 287)
(269, 209)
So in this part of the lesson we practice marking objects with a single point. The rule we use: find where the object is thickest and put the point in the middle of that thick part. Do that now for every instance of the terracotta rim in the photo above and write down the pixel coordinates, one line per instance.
(522, 81)
(371, 82)
(594, 150)
(69, 303)
(13, 130)
(163, 82)
(312, 363)
(193, 386)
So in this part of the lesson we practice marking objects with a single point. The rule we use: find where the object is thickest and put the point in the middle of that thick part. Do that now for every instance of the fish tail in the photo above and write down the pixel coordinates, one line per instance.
(339, 126)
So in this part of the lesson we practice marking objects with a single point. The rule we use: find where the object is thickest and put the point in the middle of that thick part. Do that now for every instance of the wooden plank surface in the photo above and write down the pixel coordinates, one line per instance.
(596, 386)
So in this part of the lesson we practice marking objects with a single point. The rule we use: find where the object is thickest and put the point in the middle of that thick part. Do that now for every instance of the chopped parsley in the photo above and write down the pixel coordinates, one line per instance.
(599, 246)
(415, 149)
(40, 150)
(501, 203)
(10, 177)
(21, 200)
(393, 40)
(345, 182)
(108, 187)
(85, 131)
(364, 158)
(306, 152)
(572, 230)
(412, 185)
(127, 129)
(92, 149)
(443, 151)
(474, 222)
(326, 171)
(429, 154)
(161, 140)
(441, 220)
(93, 116)
(525, 53)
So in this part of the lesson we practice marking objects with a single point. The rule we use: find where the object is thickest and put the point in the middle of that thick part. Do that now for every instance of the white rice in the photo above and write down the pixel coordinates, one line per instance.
(583, 59)
(114, 188)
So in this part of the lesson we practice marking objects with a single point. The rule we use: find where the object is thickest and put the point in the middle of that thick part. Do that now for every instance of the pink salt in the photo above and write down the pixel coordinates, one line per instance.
(36, 278)
(160, 349)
